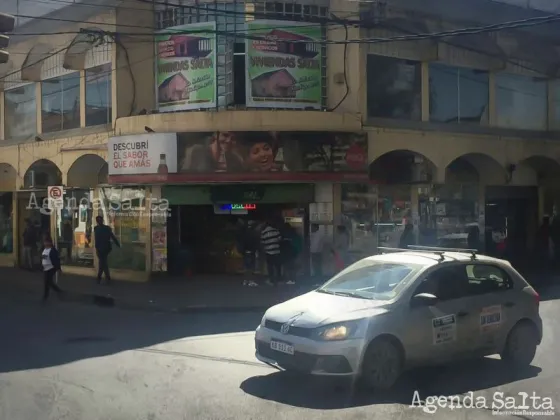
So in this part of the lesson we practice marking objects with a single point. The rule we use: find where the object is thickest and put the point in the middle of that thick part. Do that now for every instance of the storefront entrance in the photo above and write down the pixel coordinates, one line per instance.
(207, 239)
(511, 222)
(206, 224)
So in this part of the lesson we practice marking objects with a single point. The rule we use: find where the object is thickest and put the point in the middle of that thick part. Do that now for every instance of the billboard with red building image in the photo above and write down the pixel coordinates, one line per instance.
(186, 67)
(284, 64)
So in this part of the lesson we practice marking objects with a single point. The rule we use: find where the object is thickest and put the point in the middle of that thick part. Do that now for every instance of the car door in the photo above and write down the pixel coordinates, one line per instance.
(495, 303)
(444, 331)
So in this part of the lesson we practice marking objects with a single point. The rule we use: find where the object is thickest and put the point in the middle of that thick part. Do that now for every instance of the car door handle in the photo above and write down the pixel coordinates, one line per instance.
(509, 304)
(462, 314)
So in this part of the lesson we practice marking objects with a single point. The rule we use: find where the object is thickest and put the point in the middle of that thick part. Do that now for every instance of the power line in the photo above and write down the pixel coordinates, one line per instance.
(410, 37)
(116, 6)
(435, 35)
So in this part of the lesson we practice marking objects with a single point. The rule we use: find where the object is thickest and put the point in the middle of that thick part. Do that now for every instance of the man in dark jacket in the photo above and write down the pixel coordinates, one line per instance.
(103, 237)
(50, 260)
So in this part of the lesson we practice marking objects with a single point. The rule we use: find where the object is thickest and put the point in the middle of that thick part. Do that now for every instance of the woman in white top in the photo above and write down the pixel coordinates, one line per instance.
(51, 264)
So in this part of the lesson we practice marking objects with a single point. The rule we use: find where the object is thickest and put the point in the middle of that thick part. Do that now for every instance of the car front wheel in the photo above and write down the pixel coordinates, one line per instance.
(382, 364)
(521, 345)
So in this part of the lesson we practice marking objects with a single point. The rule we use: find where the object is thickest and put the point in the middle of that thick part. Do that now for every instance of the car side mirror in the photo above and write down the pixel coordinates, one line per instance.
(424, 299)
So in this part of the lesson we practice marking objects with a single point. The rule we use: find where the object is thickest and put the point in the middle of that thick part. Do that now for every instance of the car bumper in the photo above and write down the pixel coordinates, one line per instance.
(336, 358)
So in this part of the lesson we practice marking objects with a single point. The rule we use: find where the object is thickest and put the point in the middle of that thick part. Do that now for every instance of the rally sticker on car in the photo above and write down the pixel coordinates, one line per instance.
(490, 318)
(444, 329)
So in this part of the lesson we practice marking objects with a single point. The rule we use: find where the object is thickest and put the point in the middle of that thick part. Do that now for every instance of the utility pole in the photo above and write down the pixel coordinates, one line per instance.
(7, 24)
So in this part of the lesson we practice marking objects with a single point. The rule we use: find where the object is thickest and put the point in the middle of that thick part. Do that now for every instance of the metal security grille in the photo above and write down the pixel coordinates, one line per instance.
(230, 21)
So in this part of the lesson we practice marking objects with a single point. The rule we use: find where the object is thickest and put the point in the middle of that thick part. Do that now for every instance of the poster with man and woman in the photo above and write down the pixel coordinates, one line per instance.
(265, 151)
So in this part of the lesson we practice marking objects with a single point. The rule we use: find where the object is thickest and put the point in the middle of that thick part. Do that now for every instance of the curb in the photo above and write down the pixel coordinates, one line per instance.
(107, 301)
(111, 302)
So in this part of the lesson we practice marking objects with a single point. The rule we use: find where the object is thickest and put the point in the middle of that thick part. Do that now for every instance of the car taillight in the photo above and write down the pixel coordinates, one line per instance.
(537, 299)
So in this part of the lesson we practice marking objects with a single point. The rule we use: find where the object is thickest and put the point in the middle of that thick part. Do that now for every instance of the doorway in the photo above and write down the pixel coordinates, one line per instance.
(204, 239)
(511, 215)
(29, 209)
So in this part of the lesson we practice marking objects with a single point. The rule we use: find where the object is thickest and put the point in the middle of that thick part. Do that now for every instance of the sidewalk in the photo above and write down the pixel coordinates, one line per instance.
(174, 295)
(211, 294)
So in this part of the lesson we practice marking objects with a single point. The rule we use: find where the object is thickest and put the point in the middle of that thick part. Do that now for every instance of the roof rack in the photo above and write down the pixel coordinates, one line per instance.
(432, 250)
(436, 249)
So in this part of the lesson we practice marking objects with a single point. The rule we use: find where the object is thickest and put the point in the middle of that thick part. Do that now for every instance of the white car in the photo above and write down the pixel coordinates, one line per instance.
(403, 309)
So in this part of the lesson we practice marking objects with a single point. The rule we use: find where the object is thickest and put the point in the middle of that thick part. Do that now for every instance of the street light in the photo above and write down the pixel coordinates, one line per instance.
(7, 24)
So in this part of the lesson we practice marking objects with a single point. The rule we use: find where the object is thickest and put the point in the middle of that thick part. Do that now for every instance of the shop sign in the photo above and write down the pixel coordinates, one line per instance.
(236, 193)
(284, 64)
(153, 153)
(186, 67)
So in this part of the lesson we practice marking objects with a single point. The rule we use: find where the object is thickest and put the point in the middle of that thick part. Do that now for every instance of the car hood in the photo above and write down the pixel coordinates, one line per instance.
(314, 309)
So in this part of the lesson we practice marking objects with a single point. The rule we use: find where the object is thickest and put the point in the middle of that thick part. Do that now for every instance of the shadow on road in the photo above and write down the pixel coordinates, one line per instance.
(36, 336)
(316, 393)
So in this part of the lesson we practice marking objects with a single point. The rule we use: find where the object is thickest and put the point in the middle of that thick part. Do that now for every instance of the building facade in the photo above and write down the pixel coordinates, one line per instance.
(177, 121)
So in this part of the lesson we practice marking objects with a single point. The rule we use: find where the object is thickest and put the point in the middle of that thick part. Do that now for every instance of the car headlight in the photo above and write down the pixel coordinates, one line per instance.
(338, 331)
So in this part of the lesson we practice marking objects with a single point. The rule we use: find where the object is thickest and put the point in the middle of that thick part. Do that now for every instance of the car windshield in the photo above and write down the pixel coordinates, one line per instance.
(368, 279)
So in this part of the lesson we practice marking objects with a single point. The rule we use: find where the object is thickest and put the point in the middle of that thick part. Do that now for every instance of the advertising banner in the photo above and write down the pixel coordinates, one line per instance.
(154, 153)
(284, 64)
(263, 151)
(186, 67)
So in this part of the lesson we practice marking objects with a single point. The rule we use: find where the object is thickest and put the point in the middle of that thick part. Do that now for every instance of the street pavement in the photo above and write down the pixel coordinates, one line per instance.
(78, 362)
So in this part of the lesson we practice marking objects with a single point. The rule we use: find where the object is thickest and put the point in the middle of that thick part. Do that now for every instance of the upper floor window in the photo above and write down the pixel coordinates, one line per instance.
(60, 108)
(394, 88)
(521, 102)
(99, 108)
(458, 95)
(20, 112)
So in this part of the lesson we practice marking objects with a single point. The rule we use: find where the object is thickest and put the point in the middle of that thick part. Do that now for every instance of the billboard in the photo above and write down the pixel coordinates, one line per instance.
(154, 153)
(284, 65)
(186, 67)
(263, 151)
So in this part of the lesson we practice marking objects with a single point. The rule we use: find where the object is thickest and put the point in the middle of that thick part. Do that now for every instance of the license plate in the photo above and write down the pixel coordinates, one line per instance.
(282, 347)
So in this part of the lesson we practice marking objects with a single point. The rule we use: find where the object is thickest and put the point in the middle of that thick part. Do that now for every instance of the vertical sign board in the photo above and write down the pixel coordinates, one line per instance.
(284, 64)
(186, 67)
(55, 197)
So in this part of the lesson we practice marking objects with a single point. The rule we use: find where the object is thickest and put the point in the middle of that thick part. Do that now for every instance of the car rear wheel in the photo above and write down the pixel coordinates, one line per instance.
(521, 345)
(382, 364)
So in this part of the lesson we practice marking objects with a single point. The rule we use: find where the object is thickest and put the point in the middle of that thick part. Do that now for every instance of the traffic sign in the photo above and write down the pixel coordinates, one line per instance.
(56, 197)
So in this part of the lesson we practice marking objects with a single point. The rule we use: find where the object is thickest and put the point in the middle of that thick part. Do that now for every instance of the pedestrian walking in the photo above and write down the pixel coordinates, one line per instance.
(341, 248)
(270, 240)
(290, 248)
(407, 237)
(104, 236)
(50, 260)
